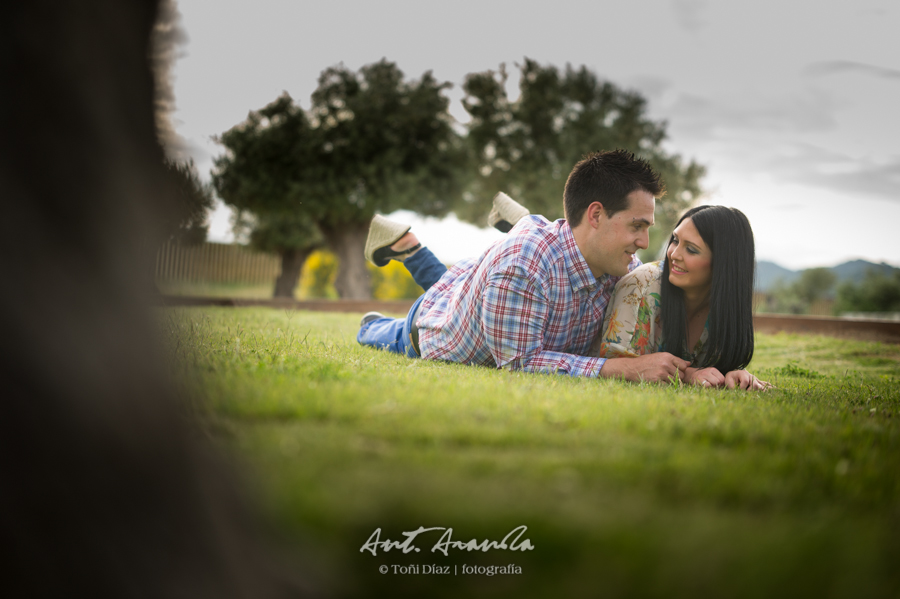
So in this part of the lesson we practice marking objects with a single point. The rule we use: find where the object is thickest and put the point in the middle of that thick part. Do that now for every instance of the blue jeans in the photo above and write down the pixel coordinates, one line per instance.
(393, 334)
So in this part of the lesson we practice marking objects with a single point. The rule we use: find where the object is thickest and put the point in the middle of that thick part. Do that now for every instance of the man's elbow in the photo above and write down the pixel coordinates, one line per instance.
(534, 364)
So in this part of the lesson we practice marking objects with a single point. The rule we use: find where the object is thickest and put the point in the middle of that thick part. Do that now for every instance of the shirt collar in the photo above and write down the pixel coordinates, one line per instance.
(580, 274)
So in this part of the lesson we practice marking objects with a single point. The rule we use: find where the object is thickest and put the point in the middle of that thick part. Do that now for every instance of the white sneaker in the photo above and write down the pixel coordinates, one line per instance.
(383, 233)
(369, 317)
(506, 213)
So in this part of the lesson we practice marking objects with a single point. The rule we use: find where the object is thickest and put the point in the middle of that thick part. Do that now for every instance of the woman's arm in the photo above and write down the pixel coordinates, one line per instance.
(631, 327)
(711, 377)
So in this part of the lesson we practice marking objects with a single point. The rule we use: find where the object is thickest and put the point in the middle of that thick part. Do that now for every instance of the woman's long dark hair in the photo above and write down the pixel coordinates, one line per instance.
(727, 233)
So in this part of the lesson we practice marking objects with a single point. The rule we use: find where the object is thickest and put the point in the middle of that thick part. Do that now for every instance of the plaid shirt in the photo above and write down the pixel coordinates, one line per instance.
(528, 303)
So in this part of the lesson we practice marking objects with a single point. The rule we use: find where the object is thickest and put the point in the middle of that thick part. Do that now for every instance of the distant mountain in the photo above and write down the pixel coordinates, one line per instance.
(769, 273)
(855, 270)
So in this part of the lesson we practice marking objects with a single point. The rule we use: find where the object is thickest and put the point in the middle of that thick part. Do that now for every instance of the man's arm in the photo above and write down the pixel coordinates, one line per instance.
(514, 318)
(514, 315)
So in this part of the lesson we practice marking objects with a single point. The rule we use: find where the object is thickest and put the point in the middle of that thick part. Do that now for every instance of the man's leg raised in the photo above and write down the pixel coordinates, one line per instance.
(389, 240)
(425, 268)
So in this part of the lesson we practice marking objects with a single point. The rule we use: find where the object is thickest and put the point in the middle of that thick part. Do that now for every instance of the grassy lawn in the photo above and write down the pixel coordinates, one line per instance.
(627, 490)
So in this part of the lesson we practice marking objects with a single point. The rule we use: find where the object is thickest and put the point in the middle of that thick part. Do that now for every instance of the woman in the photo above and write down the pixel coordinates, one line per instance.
(696, 304)
(721, 338)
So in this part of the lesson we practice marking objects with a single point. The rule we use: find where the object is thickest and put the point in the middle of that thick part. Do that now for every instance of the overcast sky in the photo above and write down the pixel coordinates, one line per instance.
(792, 105)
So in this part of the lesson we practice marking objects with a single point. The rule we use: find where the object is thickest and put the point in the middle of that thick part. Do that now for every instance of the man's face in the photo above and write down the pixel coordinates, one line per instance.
(613, 241)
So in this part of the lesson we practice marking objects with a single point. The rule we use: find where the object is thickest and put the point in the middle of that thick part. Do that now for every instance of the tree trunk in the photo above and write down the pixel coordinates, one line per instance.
(349, 243)
(291, 263)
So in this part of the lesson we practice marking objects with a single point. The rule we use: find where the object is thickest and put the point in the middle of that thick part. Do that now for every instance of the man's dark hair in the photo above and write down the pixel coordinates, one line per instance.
(608, 177)
(729, 346)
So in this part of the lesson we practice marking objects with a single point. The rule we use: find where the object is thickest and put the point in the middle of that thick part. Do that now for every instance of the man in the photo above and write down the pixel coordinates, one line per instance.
(535, 300)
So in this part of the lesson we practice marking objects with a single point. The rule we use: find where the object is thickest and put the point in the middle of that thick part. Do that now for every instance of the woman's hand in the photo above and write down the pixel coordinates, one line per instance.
(744, 380)
(704, 377)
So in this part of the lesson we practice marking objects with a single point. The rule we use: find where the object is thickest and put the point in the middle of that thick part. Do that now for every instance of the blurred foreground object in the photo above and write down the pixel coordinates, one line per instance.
(104, 491)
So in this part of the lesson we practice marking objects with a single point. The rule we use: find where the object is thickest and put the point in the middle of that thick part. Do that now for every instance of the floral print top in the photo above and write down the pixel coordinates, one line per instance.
(633, 323)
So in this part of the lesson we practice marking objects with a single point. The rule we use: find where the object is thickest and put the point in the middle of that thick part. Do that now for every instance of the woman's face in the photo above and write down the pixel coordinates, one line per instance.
(690, 259)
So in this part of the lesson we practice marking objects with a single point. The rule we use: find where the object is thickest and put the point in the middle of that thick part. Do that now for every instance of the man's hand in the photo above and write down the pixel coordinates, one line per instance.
(744, 380)
(658, 367)
(704, 377)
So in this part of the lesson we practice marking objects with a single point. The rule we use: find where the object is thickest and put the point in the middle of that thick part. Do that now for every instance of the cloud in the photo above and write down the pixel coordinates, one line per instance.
(836, 67)
(690, 14)
(823, 168)
(651, 87)
(873, 12)
(805, 111)
(789, 207)
(879, 180)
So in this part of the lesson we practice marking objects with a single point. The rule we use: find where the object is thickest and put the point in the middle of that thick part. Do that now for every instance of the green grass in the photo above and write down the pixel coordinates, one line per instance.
(627, 490)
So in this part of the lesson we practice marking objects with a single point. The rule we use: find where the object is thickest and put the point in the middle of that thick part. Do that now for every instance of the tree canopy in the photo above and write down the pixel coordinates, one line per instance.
(878, 292)
(528, 146)
(188, 209)
(814, 284)
(370, 142)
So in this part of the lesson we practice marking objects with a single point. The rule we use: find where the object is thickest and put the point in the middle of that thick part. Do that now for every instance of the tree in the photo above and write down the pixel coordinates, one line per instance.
(370, 142)
(528, 146)
(798, 297)
(292, 236)
(878, 292)
(256, 177)
(783, 299)
(190, 204)
(814, 284)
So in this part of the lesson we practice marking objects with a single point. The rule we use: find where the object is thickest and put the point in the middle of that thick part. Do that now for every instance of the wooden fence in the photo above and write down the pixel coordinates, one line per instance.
(762, 303)
(215, 263)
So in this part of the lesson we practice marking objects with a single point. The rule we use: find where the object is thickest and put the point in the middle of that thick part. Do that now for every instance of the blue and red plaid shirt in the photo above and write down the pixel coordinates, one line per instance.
(528, 303)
